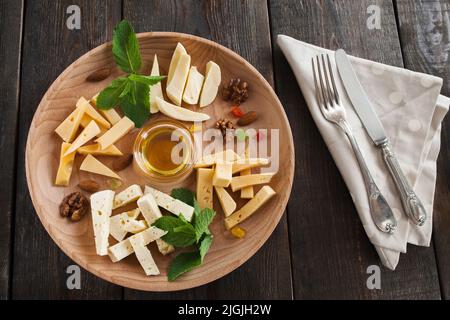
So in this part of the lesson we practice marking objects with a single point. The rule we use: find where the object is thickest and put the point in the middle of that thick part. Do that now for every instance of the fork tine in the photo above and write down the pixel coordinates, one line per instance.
(327, 80)
(336, 94)
(316, 85)
(322, 85)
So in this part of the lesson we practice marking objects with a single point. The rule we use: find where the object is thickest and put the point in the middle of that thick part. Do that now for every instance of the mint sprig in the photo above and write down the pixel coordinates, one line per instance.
(132, 92)
(181, 233)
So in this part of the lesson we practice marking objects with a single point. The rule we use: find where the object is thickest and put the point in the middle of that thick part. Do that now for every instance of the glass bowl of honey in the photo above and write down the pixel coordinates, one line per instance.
(164, 151)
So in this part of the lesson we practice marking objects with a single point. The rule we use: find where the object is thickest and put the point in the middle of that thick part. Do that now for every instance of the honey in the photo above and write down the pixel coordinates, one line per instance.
(164, 151)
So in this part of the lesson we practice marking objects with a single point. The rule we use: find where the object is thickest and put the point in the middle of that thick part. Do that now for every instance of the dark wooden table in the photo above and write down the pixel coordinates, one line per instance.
(308, 256)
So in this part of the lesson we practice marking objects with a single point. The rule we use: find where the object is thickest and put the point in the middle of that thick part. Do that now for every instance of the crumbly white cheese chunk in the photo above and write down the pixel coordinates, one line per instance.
(101, 207)
(130, 194)
(144, 255)
(172, 205)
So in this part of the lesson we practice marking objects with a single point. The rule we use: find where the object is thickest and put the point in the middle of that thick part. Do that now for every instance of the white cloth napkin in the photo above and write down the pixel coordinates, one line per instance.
(411, 110)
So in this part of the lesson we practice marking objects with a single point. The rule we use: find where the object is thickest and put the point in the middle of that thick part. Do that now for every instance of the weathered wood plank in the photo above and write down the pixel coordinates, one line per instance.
(425, 39)
(39, 266)
(330, 251)
(10, 45)
(242, 26)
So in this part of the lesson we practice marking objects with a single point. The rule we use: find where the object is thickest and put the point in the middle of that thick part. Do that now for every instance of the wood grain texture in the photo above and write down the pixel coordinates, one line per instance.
(330, 251)
(243, 27)
(10, 44)
(426, 45)
(39, 269)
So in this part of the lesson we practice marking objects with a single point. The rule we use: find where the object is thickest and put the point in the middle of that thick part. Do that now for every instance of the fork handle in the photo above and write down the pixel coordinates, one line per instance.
(411, 203)
(380, 211)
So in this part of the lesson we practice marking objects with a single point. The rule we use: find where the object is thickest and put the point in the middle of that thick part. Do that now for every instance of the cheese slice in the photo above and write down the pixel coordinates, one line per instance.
(211, 84)
(205, 187)
(149, 208)
(237, 183)
(130, 194)
(245, 164)
(175, 86)
(180, 113)
(261, 197)
(117, 131)
(156, 89)
(224, 156)
(193, 86)
(69, 127)
(111, 114)
(65, 166)
(123, 249)
(93, 113)
(85, 122)
(144, 255)
(172, 205)
(91, 164)
(117, 223)
(101, 207)
(247, 192)
(226, 201)
(135, 226)
(164, 247)
(222, 174)
(179, 50)
(87, 134)
(96, 150)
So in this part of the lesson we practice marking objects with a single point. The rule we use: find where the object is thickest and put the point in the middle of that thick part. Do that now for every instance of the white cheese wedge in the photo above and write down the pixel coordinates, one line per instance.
(175, 87)
(237, 183)
(179, 113)
(91, 164)
(149, 208)
(226, 201)
(87, 134)
(193, 86)
(261, 197)
(111, 114)
(65, 166)
(116, 132)
(221, 156)
(69, 127)
(123, 249)
(101, 207)
(117, 223)
(135, 226)
(179, 50)
(250, 163)
(93, 113)
(130, 194)
(96, 150)
(164, 247)
(156, 89)
(144, 255)
(211, 84)
(205, 187)
(222, 174)
(172, 205)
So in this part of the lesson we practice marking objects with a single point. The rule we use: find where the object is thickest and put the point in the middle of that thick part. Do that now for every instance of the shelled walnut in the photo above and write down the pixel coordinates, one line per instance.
(236, 91)
(224, 125)
(74, 206)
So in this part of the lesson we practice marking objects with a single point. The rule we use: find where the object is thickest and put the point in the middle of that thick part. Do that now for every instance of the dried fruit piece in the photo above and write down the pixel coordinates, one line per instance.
(247, 118)
(122, 162)
(74, 206)
(236, 91)
(224, 125)
(99, 75)
(89, 186)
(237, 112)
(238, 232)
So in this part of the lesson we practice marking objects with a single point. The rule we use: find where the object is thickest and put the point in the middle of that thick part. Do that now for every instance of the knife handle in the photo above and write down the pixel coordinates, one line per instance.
(411, 203)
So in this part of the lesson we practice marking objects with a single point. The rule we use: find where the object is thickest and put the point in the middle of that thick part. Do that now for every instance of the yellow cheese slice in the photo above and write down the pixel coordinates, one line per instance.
(210, 160)
(179, 50)
(211, 84)
(247, 192)
(226, 201)
(87, 134)
(69, 127)
(241, 165)
(193, 86)
(91, 164)
(90, 110)
(222, 174)
(175, 87)
(237, 183)
(65, 166)
(117, 131)
(86, 119)
(96, 150)
(111, 114)
(205, 187)
(261, 197)
(156, 89)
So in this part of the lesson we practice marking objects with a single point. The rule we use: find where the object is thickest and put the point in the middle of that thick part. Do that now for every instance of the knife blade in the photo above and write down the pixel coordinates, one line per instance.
(411, 203)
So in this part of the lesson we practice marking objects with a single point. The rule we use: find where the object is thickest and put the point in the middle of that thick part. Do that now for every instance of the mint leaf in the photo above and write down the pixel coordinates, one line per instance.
(125, 47)
(205, 244)
(135, 104)
(182, 263)
(202, 222)
(179, 233)
(148, 80)
(183, 194)
(110, 96)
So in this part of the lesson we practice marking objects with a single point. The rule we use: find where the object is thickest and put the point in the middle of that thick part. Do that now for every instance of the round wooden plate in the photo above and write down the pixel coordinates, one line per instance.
(76, 239)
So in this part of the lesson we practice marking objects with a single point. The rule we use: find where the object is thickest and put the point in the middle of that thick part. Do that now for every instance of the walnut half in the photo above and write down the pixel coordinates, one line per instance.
(74, 206)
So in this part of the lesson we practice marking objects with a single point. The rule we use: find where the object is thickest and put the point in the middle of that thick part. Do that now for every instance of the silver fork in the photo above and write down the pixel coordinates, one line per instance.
(328, 100)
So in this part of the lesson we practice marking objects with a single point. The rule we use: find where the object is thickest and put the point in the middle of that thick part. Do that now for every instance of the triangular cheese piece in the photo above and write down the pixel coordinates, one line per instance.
(111, 114)
(117, 131)
(91, 164)
(90, 110)
(96, 150)
(155, 90)
(86, 119)
(87, 134)
(179, 50)
(69, 127)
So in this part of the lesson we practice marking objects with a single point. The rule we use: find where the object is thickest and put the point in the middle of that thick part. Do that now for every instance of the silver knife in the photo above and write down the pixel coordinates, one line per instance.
(411, 203)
